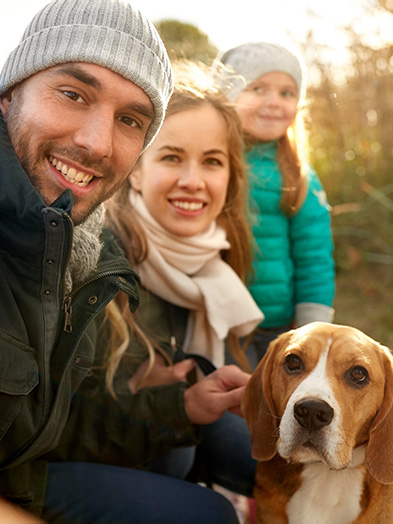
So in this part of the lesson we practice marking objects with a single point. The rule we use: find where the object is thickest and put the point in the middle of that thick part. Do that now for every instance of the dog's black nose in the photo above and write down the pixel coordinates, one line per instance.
(313, 414)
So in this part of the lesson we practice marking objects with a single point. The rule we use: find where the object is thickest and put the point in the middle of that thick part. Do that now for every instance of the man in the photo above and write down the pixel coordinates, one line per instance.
(81, 96)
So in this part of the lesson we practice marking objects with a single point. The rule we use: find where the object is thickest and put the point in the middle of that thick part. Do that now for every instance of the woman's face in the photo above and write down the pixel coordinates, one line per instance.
(183, 176)
(268, 106)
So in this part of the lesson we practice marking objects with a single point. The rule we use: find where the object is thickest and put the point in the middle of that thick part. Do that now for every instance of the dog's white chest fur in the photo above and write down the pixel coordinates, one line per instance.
(326, 496)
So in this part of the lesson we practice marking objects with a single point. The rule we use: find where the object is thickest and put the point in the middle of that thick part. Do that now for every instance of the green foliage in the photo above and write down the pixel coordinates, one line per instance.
(351, 148)
(186, 41)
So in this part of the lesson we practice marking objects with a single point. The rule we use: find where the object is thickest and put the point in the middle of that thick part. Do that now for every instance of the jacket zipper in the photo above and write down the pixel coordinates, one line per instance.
(66, 304)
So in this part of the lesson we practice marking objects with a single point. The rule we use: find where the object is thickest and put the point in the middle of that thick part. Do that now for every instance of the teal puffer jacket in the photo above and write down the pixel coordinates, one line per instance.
(294, 276)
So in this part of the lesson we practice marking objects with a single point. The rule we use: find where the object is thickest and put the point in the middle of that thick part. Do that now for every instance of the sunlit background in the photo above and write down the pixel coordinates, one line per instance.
(348, 49)
(231, 23)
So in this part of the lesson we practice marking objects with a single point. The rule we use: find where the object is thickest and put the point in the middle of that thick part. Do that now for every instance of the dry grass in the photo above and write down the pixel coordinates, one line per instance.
(364, 299)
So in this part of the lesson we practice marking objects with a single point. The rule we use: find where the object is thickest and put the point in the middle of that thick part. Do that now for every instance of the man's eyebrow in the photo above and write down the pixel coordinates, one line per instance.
(77, 72)
(142, 109)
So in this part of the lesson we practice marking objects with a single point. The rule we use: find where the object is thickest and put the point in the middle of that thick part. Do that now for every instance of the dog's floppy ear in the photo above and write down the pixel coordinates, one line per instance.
(257, 406)
(379, 451)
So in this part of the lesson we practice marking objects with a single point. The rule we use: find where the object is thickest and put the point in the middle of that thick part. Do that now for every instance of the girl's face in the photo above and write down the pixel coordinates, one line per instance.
(268, 106)
(183, 176)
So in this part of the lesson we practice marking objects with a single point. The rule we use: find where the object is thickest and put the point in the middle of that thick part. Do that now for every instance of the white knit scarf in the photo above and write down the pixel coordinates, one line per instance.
(189, 272)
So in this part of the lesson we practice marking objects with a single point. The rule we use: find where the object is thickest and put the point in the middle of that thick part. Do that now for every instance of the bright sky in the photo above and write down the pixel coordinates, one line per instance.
(231, 25)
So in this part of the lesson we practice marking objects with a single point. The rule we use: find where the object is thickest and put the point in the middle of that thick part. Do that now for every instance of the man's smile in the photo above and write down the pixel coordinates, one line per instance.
(78, 178)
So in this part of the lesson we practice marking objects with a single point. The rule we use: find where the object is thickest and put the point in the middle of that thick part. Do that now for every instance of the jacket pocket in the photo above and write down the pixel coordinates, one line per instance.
(18, 377)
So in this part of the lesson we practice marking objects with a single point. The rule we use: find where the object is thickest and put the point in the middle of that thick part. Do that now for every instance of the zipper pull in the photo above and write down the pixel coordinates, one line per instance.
(173, 342)
(68, 314)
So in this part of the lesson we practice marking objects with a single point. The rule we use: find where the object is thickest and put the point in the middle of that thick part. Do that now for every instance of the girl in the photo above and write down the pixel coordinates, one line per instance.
(293, 274)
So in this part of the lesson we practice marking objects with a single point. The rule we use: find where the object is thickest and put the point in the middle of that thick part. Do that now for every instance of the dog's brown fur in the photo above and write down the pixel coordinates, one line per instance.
(366, 412)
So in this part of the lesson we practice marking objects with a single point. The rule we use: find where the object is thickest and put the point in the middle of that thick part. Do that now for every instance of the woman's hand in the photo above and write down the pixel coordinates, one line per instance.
(160, 374)
(207, 400)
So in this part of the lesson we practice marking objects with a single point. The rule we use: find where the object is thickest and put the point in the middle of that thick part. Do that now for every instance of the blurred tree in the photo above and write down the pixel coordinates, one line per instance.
(350, 116)
(186, 41)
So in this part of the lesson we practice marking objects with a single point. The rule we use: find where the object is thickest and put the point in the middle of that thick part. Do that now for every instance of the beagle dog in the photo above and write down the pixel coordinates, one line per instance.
(320, 411)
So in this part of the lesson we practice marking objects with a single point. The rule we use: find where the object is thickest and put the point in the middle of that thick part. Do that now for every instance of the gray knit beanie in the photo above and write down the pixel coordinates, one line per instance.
(247, 62)
(110, 33)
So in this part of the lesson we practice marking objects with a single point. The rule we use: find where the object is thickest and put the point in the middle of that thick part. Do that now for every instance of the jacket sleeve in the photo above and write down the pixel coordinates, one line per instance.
(312, 252)
(128, 431)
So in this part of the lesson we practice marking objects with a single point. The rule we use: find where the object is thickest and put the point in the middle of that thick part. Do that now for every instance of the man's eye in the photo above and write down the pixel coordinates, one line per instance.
(73, 96)
(129, 121)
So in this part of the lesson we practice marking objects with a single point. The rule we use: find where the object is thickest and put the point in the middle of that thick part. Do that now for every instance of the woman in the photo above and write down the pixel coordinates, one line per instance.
(181, 221)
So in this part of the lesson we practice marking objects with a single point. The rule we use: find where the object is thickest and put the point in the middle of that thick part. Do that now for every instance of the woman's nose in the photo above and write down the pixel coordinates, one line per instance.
(191, 177)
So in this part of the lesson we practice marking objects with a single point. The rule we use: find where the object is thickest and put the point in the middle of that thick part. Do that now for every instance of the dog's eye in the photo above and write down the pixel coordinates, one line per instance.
(358, 375)
(293, 363)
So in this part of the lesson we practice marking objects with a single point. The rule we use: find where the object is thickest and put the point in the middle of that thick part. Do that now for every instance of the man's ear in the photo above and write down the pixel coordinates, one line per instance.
(5, 101)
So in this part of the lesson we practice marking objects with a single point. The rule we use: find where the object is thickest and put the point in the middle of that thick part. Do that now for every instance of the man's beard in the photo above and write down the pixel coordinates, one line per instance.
(31, 162)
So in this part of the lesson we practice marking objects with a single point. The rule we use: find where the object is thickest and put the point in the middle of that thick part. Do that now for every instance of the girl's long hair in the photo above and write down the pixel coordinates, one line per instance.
(293, 163)
(193, 89)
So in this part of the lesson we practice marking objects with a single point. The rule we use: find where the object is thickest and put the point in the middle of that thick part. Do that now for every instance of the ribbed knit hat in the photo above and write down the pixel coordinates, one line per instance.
(110, 33)
(247, 62)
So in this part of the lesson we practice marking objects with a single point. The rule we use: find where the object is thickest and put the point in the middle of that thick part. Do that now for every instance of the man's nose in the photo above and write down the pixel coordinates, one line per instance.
(96, 134)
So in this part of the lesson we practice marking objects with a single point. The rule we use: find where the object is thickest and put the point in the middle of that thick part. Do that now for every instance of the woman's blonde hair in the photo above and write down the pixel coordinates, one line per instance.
(194, 88)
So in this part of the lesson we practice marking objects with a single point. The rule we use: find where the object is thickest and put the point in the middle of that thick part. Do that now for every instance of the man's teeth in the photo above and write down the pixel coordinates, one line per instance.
(78, 178)
(188, 206)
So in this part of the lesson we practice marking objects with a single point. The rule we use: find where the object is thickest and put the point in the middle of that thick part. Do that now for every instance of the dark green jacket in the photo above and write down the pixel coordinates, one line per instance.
(132, 430)
(54, 404)
(43, 358)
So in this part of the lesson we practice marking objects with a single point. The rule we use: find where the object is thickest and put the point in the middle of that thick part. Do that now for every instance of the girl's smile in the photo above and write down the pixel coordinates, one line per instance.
(268, 106)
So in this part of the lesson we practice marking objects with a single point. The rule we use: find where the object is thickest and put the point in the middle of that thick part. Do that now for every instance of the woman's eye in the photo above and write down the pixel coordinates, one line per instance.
(293, 363)
(171, 158)
(73, 96)
(214, 161)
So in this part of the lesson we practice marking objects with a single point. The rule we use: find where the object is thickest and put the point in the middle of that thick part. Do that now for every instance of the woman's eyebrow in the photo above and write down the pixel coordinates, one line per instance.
(215, 152)
(171, 148)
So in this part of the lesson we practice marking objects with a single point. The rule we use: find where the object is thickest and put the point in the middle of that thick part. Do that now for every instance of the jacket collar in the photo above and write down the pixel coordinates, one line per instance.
(265, 149)
(17, 190)
(21, 205)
